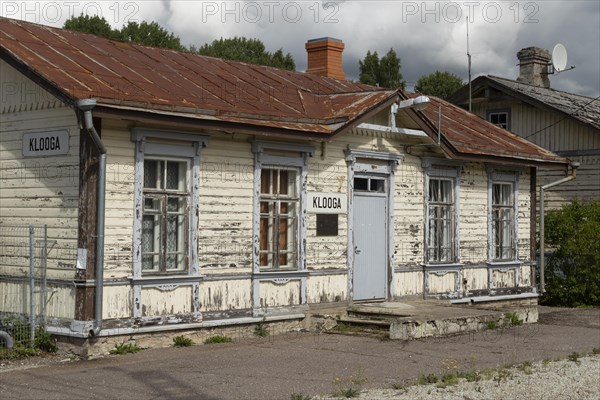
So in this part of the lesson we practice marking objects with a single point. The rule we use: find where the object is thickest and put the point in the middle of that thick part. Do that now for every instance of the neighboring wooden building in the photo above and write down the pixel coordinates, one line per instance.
(565, 123)
(236, 191)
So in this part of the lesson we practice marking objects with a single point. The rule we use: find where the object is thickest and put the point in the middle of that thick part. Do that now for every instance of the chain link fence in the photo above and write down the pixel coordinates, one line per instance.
(23, 286)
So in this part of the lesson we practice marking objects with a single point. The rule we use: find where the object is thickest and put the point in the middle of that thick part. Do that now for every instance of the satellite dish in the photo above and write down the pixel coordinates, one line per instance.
(559, 57)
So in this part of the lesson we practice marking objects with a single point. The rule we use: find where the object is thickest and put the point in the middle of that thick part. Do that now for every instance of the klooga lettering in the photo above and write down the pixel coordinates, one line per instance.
(44, 143)
(327, 202)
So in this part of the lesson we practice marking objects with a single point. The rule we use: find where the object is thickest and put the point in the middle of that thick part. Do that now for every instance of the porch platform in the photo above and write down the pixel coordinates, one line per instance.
(416, 319)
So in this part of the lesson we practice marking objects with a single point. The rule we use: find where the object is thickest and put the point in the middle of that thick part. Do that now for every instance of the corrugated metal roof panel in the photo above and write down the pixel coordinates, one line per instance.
(471, 135)
(85, 66)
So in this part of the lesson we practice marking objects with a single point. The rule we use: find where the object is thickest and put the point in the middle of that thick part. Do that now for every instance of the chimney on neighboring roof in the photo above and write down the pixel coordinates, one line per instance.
(533, 63)
(325, 57)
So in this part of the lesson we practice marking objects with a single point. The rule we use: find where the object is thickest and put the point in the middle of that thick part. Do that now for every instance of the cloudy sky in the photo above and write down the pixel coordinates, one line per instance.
(427, 36)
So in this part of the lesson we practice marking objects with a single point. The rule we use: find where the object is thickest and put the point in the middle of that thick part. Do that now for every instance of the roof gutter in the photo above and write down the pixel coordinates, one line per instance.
(574, 166)
(86, 107)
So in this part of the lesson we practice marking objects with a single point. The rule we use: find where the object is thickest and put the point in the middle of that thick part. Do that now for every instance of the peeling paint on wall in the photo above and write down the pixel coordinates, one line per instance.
(279, 295)
(225, 295)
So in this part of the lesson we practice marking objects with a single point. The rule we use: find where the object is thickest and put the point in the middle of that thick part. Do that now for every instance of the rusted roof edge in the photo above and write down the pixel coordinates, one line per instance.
(452, 152)
(365, 115)
(180, 121)
(18, 64)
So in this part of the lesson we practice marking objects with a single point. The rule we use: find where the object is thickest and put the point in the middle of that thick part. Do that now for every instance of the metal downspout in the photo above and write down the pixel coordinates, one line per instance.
(574, 166)
(86, 106)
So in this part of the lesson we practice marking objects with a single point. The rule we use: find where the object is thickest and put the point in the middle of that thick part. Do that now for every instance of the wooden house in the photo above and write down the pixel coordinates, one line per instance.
(197, 192)
(564, 123)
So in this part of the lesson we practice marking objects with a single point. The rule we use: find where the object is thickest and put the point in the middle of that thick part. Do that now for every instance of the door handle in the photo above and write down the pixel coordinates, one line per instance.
(356, 250)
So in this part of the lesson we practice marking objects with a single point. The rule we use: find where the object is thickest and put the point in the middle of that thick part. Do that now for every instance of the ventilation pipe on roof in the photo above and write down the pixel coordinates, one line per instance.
(86, 106)
(574, 166)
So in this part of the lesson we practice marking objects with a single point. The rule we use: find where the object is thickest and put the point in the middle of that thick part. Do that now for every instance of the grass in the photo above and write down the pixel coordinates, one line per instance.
(125, 348)
(218, 339)
(491, 325)
(470, 376)
(300, 396)
(526, 368)
(513, 319)
(427, 379)
(261, 329)
(574, 357)
(182, 341)
(448, 380)
(351, 386)
(596, 350)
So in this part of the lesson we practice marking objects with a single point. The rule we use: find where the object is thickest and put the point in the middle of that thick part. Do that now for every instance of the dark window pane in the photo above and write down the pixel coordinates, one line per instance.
(361, 184)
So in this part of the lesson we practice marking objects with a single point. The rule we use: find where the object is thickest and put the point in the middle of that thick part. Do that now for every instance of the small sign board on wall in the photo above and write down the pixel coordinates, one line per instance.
(327, 203)
(53, 143)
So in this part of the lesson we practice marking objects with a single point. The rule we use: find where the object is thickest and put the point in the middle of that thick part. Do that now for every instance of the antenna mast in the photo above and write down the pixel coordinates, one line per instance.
(469, 58)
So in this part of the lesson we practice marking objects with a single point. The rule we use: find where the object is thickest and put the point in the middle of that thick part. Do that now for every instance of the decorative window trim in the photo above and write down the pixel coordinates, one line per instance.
(263, 156)
(506, 111)
(496, 175)
(189, 148)
(442, 168)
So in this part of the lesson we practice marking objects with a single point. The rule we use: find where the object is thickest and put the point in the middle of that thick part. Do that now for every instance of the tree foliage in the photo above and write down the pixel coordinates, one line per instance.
(94, 25)
(384, 72)
(150, 34)
(440, 84)
(251, 51)
(573, 270)
(144, 33)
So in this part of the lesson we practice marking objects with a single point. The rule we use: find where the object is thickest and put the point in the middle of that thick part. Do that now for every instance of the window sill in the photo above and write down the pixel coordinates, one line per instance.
(165, 279)
(448, 266)
(271, 274)
(504, 264)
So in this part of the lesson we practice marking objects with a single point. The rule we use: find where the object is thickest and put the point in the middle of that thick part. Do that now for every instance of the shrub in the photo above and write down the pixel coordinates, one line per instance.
(573, 270)
(125, 348)
(44, 340)
(182, 341)
(218, 339)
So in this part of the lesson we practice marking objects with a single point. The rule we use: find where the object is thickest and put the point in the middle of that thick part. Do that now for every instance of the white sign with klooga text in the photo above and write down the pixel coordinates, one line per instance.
(327, 203)
(54, 143)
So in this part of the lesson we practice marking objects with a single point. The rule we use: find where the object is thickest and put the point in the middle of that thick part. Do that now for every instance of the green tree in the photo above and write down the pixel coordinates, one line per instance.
(150, 34)
(440, 84)
(384, 72)
(573, 270)
(94, 25)
(252, 51)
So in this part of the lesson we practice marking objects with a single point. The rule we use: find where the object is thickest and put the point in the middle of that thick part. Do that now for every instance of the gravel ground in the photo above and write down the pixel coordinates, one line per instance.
(562, 379)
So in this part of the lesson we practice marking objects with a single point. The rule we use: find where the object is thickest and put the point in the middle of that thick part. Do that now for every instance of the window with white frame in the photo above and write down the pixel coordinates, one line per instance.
(165, 219)
(280, 174)
(440, 220)
(502, 215)
(166, 203)
(503, 221)
(500, 118)
(279, 206)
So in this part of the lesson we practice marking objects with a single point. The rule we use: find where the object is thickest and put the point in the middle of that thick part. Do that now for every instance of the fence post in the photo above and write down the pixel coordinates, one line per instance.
(43, 291)
(31, 285)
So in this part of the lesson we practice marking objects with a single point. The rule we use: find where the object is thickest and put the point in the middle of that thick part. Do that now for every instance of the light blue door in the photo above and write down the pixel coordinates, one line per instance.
(370, 241)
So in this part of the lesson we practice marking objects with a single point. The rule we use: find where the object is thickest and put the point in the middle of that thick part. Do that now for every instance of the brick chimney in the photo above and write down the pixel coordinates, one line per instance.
(533, 62)
(325, 57)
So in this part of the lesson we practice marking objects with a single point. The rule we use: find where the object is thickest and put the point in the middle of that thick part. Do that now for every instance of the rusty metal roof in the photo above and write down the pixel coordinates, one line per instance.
(128, 76)
(466, 135)
(581, 108)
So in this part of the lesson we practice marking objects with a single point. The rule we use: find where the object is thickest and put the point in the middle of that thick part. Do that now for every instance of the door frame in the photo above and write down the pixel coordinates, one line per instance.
(358, 163)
